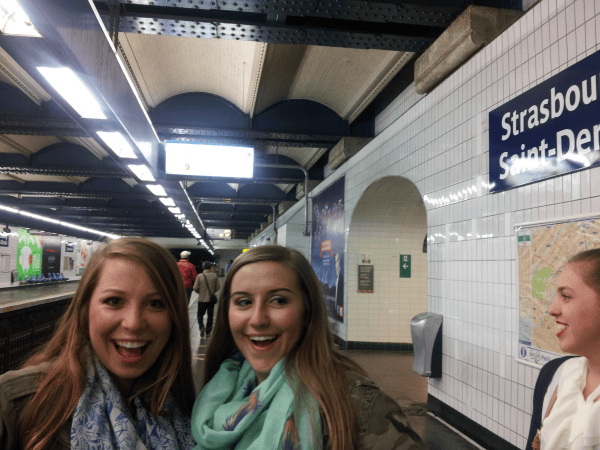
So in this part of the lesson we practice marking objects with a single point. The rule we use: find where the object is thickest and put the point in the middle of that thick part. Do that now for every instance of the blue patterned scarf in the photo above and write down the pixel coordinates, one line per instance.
(102, 420)
(233, 413)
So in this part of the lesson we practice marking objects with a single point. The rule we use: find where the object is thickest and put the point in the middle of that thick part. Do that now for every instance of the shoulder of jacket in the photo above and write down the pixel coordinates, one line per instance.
(19, 383)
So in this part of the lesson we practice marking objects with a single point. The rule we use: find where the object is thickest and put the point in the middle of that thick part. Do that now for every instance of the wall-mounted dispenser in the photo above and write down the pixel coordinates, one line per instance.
(426, 330)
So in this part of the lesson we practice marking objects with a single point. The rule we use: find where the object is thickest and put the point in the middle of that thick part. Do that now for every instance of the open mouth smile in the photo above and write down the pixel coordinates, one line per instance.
(131, 351)
(263, 342)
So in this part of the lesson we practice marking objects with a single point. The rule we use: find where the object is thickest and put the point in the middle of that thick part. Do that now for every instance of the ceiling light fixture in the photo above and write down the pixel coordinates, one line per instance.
(142, 172)
(157, 190)
(175, 210)
(14, 21)
(72, 89)
(117, 143)
(168, 201)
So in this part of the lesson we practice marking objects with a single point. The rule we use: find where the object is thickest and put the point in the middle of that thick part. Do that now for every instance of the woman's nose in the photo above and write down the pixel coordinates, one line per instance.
(133, 318)
(554, 309)
(260, 317)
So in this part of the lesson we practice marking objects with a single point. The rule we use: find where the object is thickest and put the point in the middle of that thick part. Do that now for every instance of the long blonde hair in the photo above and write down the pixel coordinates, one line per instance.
(314, 359)
(60, 389)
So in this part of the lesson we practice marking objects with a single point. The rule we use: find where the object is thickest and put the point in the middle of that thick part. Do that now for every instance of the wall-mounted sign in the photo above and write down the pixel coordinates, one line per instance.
(4, 241)
(404, 266)
(68, 248)
(365, 278)
(549, 130)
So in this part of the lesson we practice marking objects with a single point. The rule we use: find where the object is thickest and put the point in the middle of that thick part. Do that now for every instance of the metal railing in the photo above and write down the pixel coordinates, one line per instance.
(24, 330)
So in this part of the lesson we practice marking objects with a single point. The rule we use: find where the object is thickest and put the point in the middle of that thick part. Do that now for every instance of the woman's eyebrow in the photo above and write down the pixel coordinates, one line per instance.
(268, 292)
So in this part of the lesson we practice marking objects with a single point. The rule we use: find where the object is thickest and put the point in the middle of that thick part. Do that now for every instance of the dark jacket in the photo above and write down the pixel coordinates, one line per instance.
(382, 425)
(17, 388)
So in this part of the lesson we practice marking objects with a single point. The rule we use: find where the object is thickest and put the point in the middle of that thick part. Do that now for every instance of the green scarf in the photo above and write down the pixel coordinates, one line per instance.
(233, 413)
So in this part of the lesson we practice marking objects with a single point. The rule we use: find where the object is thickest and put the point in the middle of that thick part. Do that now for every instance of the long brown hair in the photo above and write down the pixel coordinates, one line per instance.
(314, 359)
(60, 389)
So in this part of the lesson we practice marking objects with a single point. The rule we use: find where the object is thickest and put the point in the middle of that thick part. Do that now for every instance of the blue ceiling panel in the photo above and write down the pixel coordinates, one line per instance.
(261, 191)
(65, 153)
(14, 101)
(199, 109)
(300, 116)
(201, 189)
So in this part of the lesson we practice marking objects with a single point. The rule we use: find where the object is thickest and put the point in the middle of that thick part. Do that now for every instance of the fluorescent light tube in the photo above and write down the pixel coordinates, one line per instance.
(175, 210)
(117, 144)
(15, 21)
(141, 171)
(70, 87)
(157, 190)
(168, 201)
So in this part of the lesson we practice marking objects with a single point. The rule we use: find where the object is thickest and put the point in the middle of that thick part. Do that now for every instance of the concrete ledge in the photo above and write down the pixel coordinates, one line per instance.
(475, 28)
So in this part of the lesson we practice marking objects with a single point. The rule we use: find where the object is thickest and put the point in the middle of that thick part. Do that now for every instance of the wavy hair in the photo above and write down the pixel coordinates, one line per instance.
(60, 389)
(590, 263)
(320, 368)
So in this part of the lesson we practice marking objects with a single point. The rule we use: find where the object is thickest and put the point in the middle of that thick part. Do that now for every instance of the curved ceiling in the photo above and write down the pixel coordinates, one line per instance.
(275, 67)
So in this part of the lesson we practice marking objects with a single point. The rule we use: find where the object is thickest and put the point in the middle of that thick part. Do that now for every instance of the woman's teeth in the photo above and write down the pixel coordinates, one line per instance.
(128, 344)
(561, 326)
(262, 338)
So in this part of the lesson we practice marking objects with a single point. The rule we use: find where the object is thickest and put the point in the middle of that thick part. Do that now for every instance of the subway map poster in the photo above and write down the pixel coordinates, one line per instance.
(542, 251)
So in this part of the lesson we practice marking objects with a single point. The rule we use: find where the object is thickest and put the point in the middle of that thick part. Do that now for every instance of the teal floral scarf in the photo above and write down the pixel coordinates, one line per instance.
(233, 413)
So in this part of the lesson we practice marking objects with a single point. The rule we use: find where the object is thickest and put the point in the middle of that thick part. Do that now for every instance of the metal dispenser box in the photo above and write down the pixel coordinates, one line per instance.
(426, 330)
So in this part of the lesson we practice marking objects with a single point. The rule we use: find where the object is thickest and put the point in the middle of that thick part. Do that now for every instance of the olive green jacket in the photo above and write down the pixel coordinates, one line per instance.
(382, 425)
(17, 388)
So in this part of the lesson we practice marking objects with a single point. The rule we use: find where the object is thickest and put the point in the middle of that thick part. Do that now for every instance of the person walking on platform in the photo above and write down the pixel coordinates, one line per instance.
(117, 372)
(206, 285)
(188, 272)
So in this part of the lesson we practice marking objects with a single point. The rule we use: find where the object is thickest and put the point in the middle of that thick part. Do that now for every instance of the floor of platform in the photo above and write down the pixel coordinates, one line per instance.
(392, 371)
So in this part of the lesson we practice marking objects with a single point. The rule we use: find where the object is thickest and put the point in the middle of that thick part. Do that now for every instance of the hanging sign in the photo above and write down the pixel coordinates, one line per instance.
(549, 130)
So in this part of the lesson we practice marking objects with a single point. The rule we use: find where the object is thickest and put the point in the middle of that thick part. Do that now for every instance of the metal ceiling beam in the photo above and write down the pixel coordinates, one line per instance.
(345, 23)
(34, 126)
(76, 194)
(238, 201)
(63, 171)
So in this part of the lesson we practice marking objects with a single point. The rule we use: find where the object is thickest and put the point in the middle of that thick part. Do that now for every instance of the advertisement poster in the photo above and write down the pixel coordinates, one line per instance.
(50, 254)
(327, 247)
(29, 254)
(83, 256)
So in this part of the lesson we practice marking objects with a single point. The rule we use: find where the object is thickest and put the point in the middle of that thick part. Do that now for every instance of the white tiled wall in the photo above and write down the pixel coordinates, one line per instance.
(388, 221)
(440, 143)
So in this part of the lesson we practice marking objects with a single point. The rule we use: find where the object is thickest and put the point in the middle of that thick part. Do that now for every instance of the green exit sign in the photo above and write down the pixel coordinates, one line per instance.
(404, 266)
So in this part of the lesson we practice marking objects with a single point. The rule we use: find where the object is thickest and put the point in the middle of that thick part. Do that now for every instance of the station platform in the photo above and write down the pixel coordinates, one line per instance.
(392, 372)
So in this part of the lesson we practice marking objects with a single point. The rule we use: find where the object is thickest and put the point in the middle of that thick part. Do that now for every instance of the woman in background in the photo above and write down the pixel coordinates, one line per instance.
(567, 390)
(117, 372)
(272, 377)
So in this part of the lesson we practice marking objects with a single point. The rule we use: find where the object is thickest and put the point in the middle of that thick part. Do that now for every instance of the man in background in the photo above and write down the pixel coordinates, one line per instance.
(188, 272)
(206, 284)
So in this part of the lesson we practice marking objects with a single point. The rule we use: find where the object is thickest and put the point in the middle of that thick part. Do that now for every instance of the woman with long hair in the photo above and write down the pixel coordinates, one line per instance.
(117, 371)
(566, 410)
(272, 377)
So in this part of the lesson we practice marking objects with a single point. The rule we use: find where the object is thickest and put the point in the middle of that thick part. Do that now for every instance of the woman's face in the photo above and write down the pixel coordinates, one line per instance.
(577, 312)
(266, 314)
(129, 324)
